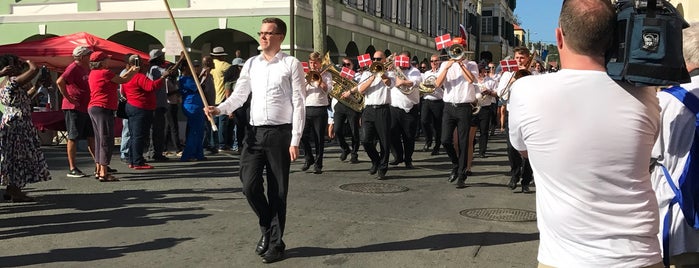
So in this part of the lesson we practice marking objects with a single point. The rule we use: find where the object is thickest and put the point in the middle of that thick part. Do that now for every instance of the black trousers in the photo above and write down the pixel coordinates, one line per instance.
(172, 128)
(343, 113)
(266, 150)
(482, 121)
(519, 166)
(241, 119)
(403, 126)
(376, 123)
(314, 130)
(457, 116)
(431, 119)
(158, 131)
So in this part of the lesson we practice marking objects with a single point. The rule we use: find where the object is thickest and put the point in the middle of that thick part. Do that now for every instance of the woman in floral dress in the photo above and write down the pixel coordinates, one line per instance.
(21, 161)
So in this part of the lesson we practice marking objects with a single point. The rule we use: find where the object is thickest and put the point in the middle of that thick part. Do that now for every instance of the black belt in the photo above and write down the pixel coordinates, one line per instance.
(377, 106)
(464, 104)
(433, 100)
(282, 126)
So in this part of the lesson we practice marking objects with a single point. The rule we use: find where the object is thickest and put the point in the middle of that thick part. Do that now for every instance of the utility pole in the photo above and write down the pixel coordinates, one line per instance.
(319, 29)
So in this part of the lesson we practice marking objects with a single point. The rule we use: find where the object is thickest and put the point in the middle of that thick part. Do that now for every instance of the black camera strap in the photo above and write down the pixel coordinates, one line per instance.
(694, 72)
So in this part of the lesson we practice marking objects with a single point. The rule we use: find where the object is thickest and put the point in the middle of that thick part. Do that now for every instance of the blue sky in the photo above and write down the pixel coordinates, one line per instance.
(539, 18)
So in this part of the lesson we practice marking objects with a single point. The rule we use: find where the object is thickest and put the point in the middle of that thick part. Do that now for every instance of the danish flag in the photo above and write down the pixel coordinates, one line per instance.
(305, 66)
(347, 73)
(443, 41)
(402, 61)
(364, 60)
(509, 65)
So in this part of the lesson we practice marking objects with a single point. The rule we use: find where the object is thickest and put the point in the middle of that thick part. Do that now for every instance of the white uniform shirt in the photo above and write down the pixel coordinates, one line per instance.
(377, 93)
(277, 88)
(406, 102)
(456, 88)
(315, 96)
(502, 84)
(673, 144)
(438, 93)
(487, 84)
(589, 143)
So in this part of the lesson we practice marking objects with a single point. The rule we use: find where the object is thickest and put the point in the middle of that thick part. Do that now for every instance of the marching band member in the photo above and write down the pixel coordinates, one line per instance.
(481, 120)
(432, 109)
(404, 108)
(376, 117)
(459, 92)
(316, 114)
(341, 113)
(519, 166)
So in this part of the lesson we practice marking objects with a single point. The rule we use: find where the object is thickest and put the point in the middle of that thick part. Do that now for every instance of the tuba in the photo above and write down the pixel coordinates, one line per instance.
(340, 85)
(404, 89)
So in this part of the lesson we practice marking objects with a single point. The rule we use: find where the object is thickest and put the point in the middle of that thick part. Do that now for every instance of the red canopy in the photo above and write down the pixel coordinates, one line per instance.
(57, 52)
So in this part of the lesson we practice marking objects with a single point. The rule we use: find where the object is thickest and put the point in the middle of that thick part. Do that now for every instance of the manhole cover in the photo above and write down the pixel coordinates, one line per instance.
(500, 214)
(373, 188)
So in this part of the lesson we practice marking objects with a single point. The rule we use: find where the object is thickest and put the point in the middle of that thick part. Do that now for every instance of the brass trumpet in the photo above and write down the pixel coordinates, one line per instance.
(313, 78)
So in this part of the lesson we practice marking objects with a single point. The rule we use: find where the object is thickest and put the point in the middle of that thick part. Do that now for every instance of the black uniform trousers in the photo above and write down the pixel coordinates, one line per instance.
(457, 116)
(266, 150)
(431, 119)
(519, 166)
(482, 121)
(403, 128)
(343, 113)
(314, 130)
(376, 123)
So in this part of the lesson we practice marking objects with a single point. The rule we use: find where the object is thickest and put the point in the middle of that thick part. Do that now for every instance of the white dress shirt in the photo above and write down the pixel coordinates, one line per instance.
(486, 84)
(403, 101)
(316, 96)
(377, 93)
(278, 95)
(456, 88)
(438, 93)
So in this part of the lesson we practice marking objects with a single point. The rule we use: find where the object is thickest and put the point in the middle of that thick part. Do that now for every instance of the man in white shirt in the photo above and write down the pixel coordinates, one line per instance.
(277, 112)
(342, 113)
(589, 140)
(432, 109)
(404, 115)
(519, 166)
(672, 151)
(457, 78)
(376, 117)
(316, 115)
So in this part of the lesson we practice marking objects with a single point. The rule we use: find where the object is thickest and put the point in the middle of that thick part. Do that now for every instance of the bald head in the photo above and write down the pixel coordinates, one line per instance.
(587, 26)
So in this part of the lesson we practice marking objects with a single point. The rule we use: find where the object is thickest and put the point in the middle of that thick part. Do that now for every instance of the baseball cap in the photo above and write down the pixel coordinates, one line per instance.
(98, 56)
(80, 51)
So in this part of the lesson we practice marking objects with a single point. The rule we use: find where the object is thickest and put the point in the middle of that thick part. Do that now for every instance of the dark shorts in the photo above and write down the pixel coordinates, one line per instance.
(78, 125)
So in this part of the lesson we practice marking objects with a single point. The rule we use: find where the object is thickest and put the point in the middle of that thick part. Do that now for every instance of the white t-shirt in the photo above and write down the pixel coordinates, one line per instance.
(589, 143)
(673, 144)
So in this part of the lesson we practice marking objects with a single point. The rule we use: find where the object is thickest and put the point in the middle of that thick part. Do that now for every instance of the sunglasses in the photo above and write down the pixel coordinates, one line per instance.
(346, 64)
(375, 59)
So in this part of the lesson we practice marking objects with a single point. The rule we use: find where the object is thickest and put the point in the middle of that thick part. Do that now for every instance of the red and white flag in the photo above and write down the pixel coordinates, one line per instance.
(347, 73)
(305, 66)
(443, 41)
(509, 65)
(364, 60)
(402, 61)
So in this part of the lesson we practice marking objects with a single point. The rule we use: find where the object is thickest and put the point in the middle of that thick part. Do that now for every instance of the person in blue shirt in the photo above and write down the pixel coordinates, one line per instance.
(193, 109)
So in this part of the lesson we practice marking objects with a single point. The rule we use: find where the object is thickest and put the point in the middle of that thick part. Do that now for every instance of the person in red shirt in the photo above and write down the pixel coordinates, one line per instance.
(140, 104)
(104, 99)
(74, 87)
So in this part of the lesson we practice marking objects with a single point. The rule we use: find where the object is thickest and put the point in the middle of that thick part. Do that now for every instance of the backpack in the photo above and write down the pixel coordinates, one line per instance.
(647, 47)
(687, 190)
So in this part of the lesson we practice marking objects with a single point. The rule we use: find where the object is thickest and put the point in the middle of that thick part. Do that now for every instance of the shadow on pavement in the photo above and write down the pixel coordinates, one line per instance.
(433, 242)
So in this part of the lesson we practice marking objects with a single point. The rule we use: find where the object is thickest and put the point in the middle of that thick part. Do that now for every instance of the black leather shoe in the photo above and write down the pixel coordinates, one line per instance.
(262, 245)
(525, 189)
(354, 159)
(469, 173)
(343, 156)
(373, 169)
(395, 162)
(409, 165)
(461, 182)
(482, 156)
(273, 255)
(512, 184)
(382, 175)
(452, 176)
(318, 170)
(427, 146)
(435, 151)
(307, 165)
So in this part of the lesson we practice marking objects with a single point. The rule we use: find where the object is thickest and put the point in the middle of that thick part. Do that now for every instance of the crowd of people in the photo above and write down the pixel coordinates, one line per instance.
(597, 203)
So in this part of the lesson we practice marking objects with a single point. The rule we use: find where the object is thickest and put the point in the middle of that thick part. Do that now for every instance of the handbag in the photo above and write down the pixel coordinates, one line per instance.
(121, 109)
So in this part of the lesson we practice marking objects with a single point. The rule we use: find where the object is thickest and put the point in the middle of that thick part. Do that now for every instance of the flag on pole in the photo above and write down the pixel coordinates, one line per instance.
(305, 66)
(402, 61)
(347, 73)
(443, 41)
(364, 60)
(509, 65)
(463, 32)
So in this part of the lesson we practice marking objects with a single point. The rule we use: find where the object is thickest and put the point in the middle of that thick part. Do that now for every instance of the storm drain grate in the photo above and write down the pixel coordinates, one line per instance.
(373, 188)
(500, 214)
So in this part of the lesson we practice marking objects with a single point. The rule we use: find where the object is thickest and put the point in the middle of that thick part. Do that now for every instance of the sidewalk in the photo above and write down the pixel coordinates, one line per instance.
(193, 214)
